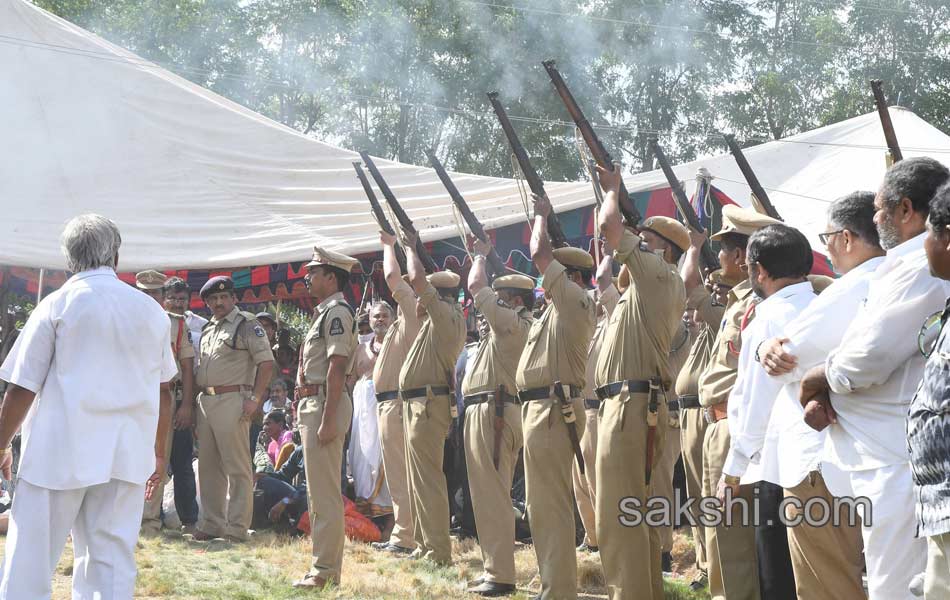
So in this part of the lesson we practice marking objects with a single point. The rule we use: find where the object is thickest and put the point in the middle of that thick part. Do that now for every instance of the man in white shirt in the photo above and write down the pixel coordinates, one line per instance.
(865, 386)
(90, 375)
(827, 559)
(779, 259)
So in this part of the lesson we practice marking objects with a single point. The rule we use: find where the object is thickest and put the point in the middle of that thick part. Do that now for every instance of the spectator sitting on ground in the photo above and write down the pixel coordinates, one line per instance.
(275, 426)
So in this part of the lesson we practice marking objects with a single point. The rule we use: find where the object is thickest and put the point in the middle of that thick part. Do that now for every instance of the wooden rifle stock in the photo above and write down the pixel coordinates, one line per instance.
(886, 123)
(707, 256)
(404, 221)
(558, 239)
(470, 219)
(630, 213)
(750, 177)
(378, 213)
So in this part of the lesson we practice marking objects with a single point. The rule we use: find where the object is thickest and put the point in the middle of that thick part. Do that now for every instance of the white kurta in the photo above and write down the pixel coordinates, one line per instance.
(365, 455)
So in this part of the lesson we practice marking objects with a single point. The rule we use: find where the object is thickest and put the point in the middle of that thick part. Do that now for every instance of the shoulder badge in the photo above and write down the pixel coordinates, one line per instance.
(502, 303)
(336, 326)
(259, 331)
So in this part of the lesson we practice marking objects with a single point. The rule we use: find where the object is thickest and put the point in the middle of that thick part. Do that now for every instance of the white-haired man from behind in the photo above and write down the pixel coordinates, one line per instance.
(89, 375)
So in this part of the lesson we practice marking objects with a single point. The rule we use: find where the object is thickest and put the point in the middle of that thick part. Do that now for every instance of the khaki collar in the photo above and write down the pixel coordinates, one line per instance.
(228, 317)
(323, 305)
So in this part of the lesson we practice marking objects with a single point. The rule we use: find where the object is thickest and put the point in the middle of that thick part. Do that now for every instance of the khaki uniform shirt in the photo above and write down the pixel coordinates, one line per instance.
(220, 364)
(181, 342)
(718, 379)
(700, 353)
(679, 351)
(641, 329)
(558, 340)
(432, 356)
(606, 304)
(496, 359)
(331, 334)
(402, 333)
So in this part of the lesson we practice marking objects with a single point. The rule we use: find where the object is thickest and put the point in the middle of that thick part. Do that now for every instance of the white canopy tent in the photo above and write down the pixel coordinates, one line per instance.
(196, 181)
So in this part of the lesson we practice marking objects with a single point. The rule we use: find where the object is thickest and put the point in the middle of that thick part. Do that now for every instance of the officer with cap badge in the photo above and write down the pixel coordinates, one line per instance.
(493, 416)
(427, 390)
(550, 380)
(234, 357)
(324, 409)
(153, 284)
(632, 376)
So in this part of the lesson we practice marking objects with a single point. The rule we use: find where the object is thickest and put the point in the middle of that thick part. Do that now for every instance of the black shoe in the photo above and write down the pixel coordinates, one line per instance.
(585, 547)
(491, 589)
(700, 583)
(475, 582)
(667, 563)
(392, 548)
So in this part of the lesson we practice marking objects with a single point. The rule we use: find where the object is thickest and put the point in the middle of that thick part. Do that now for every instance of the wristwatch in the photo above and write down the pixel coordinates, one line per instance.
(730, 479)
(3, 452)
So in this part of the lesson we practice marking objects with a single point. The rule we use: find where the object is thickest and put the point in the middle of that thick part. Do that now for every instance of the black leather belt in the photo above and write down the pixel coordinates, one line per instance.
(437, 390)
(482, 397)
(634, 386)
(590, 403)
(689, 401)
(387, 396)
(543, 393)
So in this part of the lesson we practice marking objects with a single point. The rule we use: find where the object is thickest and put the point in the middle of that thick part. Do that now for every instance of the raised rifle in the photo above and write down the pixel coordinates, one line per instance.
(378, 213)
(757, 190)
(558, 239)
(629, 211)
(470, 219)
(707, 257)
(889, 135)
(404, 221)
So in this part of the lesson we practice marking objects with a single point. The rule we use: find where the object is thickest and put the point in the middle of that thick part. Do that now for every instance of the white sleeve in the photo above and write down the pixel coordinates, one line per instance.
(29, 360)
(169, 363)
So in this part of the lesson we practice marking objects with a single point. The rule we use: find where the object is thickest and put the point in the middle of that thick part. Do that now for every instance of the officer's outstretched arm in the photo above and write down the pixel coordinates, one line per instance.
(541, 251)
(391, 270)
(417, 274)
(611, 226)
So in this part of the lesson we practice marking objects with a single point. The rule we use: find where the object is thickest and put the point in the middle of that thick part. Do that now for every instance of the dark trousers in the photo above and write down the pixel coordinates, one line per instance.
(776, 578)
(183, 474)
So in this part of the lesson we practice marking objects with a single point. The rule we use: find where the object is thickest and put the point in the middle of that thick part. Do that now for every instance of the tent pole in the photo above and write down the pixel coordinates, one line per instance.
(39, 288)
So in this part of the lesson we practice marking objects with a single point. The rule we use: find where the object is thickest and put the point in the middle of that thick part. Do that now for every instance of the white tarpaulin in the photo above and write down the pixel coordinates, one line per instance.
(196, 181)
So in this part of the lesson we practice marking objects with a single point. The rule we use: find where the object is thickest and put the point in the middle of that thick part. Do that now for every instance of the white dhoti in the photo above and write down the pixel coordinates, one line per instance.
(104, 520)
(891, 552)
(365, 455)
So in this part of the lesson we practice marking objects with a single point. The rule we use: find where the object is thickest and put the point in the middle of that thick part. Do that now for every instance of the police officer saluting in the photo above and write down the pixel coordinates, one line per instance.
(493, 417)
(324, 409)
(234, 356)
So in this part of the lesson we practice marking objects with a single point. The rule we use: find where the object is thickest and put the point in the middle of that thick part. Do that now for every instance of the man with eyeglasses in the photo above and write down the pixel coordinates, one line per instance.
(853, 246)
(864, 388)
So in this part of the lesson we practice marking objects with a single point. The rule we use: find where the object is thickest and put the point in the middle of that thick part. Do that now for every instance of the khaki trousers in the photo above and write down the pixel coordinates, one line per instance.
(827, 560)
(585, 485)
(224, 466)
(630, 554)
(937, 576)
(426, 421)
(693, 426)
(322, 464)
(730, 551)
(664, 481)
(548, 489)
(392, 440)
(491, 488)
(152, 514)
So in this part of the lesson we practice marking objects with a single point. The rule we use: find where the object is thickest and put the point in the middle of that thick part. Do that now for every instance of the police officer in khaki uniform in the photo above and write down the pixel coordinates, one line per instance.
(607, 295)
(392, 354)
(493, 417)
(550, 382)
(153, 284)
(427, 389)
(632, 375)
(324, 409)
(235, 356)
(730, 551)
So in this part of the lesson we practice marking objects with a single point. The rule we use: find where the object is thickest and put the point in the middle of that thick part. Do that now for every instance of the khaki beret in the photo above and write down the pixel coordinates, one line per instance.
(220, 283)
(149, 280)
(820, 282)
(331, 259)
(744, 221)
(443, 279)
(671, 229)
(574, 258)
(513, 281)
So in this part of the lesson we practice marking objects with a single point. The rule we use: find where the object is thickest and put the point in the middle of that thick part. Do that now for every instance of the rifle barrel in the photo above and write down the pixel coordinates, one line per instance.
(750, 177)
(378, 213)
(889, 134)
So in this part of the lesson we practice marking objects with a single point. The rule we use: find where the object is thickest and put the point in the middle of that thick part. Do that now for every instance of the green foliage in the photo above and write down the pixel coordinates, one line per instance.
(397, 76)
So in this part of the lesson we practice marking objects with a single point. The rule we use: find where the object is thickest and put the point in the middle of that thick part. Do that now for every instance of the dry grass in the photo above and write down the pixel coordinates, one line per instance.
(173, 567)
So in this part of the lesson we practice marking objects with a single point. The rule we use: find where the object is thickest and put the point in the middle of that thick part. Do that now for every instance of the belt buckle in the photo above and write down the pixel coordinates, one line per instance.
(210, 390)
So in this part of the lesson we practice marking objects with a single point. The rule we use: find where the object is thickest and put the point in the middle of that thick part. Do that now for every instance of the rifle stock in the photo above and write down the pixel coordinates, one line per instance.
(707, 257)
(629, 211)
(889, 135)
(558, 239)
(497, 265)
(750, 177)
(378, 213)
(404, 221)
